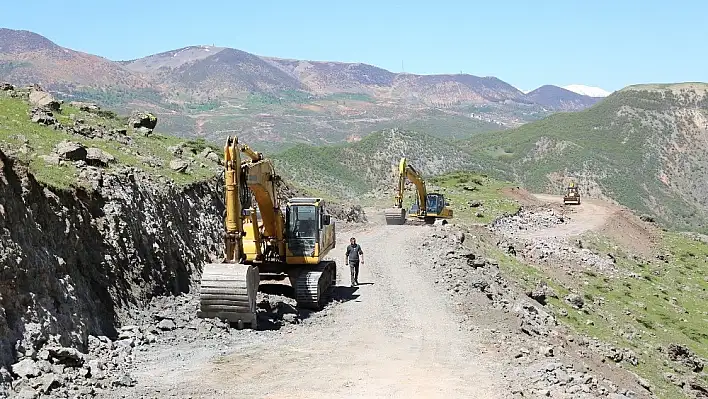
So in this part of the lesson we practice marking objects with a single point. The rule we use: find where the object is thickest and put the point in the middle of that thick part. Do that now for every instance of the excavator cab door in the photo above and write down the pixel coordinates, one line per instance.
(435, 203)
(302, 229)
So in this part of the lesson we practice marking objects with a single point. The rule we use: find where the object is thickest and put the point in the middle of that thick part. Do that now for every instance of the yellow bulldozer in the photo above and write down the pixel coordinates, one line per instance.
(572, 195)
(428, 206)
(263, 240)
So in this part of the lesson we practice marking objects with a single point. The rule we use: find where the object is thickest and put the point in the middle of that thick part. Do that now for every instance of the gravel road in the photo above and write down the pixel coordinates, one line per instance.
(393, 336)
(433, 317)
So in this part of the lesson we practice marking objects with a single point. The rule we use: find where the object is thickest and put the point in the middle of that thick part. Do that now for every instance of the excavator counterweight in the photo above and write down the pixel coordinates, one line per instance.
(263, 239)
(428, 207)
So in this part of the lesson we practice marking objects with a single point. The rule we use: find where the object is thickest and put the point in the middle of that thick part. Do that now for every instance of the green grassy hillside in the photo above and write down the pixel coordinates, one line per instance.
(644, 146)
(36, 144)
(367, 169)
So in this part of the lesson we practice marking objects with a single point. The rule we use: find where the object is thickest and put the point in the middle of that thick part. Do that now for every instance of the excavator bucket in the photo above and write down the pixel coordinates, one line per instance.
(395, 215)
(228, 292)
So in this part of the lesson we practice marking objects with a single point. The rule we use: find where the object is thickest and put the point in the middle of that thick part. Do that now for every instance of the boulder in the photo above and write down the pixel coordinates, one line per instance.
(140, 119)
(43, 99)
(71, 151)
(179, 165)
(43, 116)
(4, 86)
(98, 157)
(26, 368)
(575, 300)
(211, 155)
(176, 150)
(84, 106)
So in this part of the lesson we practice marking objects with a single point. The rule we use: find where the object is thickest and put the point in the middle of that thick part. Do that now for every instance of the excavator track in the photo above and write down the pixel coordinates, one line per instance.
(228, 291)
(395, 216)
(313, 286)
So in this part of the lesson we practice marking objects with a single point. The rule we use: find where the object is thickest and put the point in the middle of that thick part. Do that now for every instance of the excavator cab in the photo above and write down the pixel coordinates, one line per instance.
(435, 204)
(436, 207)
(308, 231)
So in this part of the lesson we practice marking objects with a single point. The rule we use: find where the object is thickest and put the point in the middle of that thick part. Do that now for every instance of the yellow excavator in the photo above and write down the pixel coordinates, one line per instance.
(266, 241)
(572, 195)
(428, 206)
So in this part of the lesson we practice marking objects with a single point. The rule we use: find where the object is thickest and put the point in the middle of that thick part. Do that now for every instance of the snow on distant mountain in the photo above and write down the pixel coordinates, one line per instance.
(588, 90)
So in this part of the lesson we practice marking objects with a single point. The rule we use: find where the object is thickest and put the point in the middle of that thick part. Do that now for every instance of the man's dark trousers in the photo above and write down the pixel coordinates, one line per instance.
(354, 269)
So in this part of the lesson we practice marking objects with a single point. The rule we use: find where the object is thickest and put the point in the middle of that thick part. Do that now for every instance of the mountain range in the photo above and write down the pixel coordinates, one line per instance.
(207, 90)
(645, 147)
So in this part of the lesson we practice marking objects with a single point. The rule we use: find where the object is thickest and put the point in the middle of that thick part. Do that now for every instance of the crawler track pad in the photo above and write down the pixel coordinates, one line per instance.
(395, 215)
(313, 286)
(228, 291)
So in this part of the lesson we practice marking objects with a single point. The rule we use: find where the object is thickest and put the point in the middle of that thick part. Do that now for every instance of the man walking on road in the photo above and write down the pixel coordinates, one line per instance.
(353, 253)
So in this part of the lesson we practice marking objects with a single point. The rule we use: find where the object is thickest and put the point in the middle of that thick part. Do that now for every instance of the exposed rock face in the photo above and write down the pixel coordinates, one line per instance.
(73, 264)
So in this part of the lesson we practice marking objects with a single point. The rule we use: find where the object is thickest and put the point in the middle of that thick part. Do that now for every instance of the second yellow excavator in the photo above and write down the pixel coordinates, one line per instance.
(428, 206)
(267, 240)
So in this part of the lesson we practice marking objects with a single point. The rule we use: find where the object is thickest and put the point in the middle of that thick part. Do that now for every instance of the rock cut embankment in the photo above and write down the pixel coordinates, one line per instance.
(74, 263)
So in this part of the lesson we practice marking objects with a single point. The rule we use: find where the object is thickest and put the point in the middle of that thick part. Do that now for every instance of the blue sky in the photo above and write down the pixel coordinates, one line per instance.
(609, 44)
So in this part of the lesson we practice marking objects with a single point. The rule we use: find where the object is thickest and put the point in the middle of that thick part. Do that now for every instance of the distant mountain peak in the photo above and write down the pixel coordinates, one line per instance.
(590, 91)
(559, 97)
(18, 41)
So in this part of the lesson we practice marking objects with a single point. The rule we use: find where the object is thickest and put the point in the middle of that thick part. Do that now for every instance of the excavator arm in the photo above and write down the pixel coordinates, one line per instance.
(406, 171)
(256, 174)
(397, 214)
(233, 237)
(414, 177)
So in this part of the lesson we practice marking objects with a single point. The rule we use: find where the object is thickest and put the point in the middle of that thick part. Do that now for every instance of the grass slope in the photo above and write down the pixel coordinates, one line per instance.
(367, 169)
(29, 141)
(644, 147)
(473, 197)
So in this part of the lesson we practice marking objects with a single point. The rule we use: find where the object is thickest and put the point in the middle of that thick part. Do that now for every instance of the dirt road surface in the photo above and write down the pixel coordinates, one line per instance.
(392, 337)
(599, 216)
(422, 323)
(591, 214)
